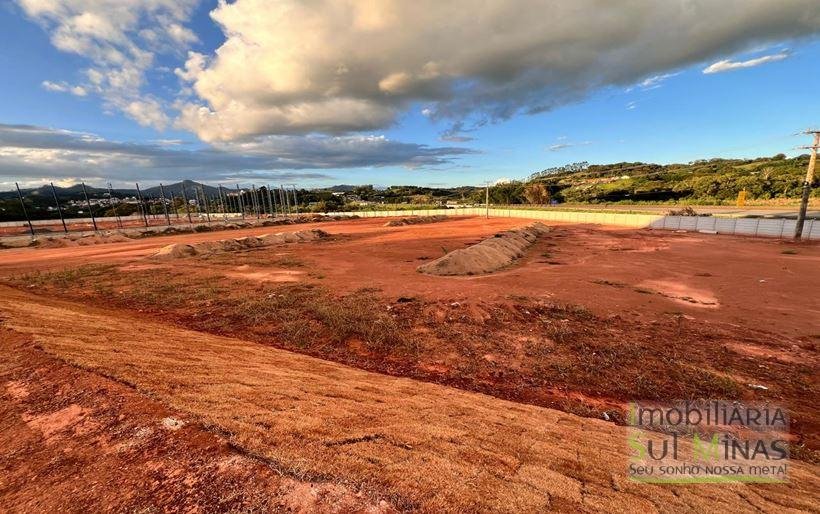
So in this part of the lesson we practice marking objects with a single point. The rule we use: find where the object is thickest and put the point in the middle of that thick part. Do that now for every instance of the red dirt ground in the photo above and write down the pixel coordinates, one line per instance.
(420, 446)
(743, 298)
(741, 280)
(72, 435)
(745, 287)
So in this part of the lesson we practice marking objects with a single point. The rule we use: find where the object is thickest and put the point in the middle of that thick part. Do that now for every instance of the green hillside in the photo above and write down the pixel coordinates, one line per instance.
(713, 181)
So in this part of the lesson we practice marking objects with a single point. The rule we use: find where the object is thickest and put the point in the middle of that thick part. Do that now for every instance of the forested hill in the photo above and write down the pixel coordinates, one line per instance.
(705, 181)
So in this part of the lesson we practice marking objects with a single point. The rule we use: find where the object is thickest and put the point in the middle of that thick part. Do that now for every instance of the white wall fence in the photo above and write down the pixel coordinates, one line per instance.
(762, 227)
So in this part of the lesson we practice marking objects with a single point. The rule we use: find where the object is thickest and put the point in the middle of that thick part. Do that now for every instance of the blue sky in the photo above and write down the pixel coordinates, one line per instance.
(383, 115)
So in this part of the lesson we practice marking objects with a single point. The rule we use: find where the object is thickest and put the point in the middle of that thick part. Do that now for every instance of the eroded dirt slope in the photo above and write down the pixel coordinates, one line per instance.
(415, 444)
(76, 441)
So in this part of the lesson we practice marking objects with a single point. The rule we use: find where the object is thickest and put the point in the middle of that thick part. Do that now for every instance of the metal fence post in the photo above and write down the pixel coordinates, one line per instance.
(164, 205)
(142, 204)
(272, 201)
(187, 206)
(25, 212)
(285, 195)
(241, 202)
(111, 203)
(207, 207)
(254, 201)
(59, 209)
(90, 210)
(222, 203)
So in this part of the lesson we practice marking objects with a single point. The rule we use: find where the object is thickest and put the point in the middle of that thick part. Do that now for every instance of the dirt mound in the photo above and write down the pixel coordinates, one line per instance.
(18, 242)
(487, 256)
(55, 242)
(302, 218)
(85, 240)
(276, 221)
(176, 251)
(179, 250)
(415, 220)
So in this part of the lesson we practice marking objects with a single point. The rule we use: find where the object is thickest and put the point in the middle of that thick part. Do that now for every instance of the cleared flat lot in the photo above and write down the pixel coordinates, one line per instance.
(389, 411)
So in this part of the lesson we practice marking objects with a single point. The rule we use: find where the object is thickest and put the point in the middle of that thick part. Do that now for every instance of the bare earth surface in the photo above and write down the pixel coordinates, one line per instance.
(116, 401)
(78, 441)
(420, 445)
(756, 284)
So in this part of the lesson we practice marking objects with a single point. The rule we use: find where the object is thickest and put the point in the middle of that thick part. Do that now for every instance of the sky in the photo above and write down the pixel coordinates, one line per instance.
(388, 92)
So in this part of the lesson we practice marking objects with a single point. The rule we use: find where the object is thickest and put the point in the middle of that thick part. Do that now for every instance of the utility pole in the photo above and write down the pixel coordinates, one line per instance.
(807, 184)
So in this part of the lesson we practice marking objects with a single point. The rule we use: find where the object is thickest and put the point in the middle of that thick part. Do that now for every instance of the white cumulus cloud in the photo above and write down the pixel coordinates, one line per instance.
(63, 87)
(120, 38)
(335, 66)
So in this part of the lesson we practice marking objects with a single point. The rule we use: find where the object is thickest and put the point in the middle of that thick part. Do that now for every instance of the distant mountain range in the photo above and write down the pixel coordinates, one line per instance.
(192, 188)
(62, 192)
(75, 192)
(341, 188)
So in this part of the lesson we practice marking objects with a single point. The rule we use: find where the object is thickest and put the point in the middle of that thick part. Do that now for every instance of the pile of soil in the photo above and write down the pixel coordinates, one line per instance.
(180, 250)
(415, 220)
(17, 242)
(487, 256)
(308, 218)
(84, 240)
